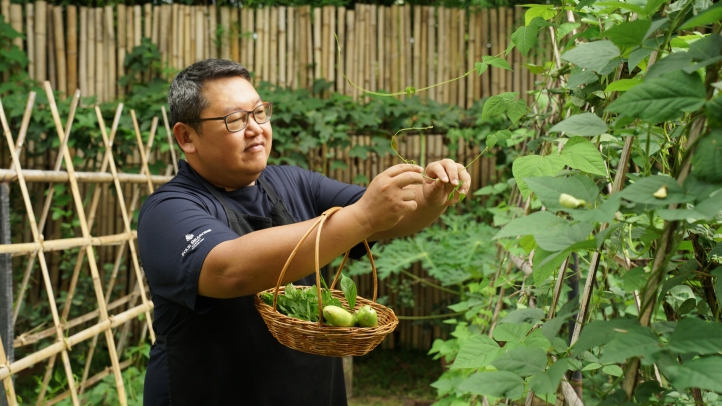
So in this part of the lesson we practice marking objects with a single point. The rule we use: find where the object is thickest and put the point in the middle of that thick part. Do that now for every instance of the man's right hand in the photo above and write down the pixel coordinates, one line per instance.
(388, 198)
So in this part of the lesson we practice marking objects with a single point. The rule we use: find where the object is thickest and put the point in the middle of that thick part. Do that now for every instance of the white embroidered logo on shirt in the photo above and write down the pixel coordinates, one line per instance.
(194, 241)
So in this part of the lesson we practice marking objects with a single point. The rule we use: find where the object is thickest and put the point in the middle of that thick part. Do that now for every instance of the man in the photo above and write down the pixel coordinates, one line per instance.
(222, 229)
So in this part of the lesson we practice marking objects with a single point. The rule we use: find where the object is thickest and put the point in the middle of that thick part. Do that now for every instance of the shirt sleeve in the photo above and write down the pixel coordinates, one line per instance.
(176, 231)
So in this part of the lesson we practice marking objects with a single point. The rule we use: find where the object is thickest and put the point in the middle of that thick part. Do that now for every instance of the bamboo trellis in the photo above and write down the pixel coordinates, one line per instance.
(381, 48)
(86, 244)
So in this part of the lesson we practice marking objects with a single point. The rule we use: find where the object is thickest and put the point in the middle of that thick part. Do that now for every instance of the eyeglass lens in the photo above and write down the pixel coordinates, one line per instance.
(238, 120)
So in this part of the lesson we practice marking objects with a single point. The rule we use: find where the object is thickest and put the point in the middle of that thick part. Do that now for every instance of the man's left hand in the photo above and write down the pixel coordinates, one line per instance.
(446, 175)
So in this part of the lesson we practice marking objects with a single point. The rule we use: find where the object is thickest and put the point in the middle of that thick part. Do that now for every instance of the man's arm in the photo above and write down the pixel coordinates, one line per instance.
(253, 262)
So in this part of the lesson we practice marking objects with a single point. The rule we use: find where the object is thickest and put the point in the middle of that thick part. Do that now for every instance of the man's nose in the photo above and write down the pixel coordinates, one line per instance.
(252, 128)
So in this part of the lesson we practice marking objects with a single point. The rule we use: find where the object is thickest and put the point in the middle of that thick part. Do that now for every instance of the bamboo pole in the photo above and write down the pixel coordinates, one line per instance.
(460, 61)
(508, 75)
(423, 66)
(340, 36)
(143, 158)
(89, 250)
(121, 48)
(72, 47)
(199, 37)
(349, 66)
(395, 53)
(248, 40)
(10, 395)
(329, 43)
(431, 52)
(443, 53)
(83, 54)
(416, 47)
(110, 53)
(16, 22)
(187, 29)
(175, 35)
(407, 68)
(212, 28)
(494, 30)
(281, 42)
(137, 25)
(61, 62)
(100, 64)
(483, 35)
(50, 44)
(171, 143)
(91, 46)
(373, 51)
(266, 12)
(225, 38)
(318, 59)
(164, 35)
(30, 37)
(454, 57)
(273, 47)
(5, 11)
(470, 62)
(36, 175)
(360, 54)
(234, 31)
(43, 265)
(257, 67)
(147, 20)
(155, 26)
(41, 24)
(518, 83)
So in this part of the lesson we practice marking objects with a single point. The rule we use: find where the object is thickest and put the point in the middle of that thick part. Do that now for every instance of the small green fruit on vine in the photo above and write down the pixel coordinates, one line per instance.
(570, 202)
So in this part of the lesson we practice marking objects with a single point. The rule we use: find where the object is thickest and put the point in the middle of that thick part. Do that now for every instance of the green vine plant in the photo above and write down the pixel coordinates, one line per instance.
(617, 184)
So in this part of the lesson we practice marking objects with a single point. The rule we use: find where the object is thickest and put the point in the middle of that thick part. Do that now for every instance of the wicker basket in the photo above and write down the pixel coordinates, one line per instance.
(317, 337)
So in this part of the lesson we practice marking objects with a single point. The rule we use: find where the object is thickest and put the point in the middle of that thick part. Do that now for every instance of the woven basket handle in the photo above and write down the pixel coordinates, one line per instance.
(319, 222)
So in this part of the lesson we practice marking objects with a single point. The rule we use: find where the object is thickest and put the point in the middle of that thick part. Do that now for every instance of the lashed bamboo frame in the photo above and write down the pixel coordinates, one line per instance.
(37, 249)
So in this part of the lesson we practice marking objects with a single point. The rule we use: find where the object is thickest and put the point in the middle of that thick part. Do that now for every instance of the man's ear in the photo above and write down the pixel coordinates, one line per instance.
(185, 135)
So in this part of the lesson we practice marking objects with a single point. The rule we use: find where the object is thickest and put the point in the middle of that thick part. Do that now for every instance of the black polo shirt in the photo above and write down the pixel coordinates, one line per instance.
(181, 222)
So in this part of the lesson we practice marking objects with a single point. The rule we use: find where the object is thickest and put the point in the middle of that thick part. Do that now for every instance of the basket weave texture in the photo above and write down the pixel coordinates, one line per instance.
(317, 337)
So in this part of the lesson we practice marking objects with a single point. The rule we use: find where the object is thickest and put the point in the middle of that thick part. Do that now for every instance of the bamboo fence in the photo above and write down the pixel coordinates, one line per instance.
(381, 48)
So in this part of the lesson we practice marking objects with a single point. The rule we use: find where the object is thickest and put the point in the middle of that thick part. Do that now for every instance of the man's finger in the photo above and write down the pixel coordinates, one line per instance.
(402, 168)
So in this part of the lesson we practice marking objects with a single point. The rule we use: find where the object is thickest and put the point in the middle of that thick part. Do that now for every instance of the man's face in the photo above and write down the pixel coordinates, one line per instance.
(230, 159)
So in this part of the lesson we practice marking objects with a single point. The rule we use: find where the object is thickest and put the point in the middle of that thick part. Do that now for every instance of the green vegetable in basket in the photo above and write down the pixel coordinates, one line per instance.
(301, 302)
(367, 317)
(338, 316)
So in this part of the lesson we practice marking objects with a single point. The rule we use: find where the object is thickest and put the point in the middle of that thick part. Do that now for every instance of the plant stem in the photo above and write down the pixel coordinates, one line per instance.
(430, 284)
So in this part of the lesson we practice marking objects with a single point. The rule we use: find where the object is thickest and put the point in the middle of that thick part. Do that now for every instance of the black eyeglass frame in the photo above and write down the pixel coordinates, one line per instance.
(252, 113)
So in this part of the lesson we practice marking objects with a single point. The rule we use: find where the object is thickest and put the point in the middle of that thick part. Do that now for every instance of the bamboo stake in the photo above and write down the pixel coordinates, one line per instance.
(90, 44)
(212, 29)
(368, 77)
(163, 36)
(176, 38)
(4, 10)
(350, 52)
(95, 379)
(171, 142)
(373, 52)
(100, 67)
(110, 54)
(226, 26)
(330, 44)
(30, 37)
(187, 29)
(393, 48)
(59, 42)
(408, 67)
(423, 49)
(155, 26)
(360, 54)
(340, 36)
(144, 160)
(16, 21)
(137, 26)
(431, 52)
(89, 250)
(249, 35)
(460, 65)
(41, 24)
(50, 43)
(317, 44)
(43, 265)
(233, 34)
(257, 67)
(199, 38)
(147, 20)
(8, 381)
(494, 30)
(470, 62)
(505, 40)
(281, 43)
(452, 60)
(266, 12)
(72, 47)
(273, 47)
(121, 48)
(416, 46)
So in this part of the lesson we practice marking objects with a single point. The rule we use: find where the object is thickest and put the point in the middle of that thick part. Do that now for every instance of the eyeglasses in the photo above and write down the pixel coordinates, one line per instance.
(238, 120)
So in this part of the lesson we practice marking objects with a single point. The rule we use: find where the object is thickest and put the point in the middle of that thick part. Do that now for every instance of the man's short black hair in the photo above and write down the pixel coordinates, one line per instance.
(185, 100)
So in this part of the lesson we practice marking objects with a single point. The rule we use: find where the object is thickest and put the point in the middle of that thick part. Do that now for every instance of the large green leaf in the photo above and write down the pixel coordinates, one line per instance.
(703, 373)
(548, 189)
(546, 12)
(525, 37)
(643, 190)
(622, 85)
(629, 33)
(604, 213)
(677, 61)
(560, 238)
(537, 222)
(585, 124)
(549, 380)
(499, 384)
(707, 159)
(532, 166)
(663, 98)
(476, 352)
(522, 361)
(529, 315)
(541, 273)
(516, 110)
(592, 55)
(514, 333)
(637, 341)
(598, 333)
(709, 16)
(580, 153)
(693, 335)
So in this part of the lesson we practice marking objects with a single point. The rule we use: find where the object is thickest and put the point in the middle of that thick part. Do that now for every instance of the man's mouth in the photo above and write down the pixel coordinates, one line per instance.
(253, 147)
